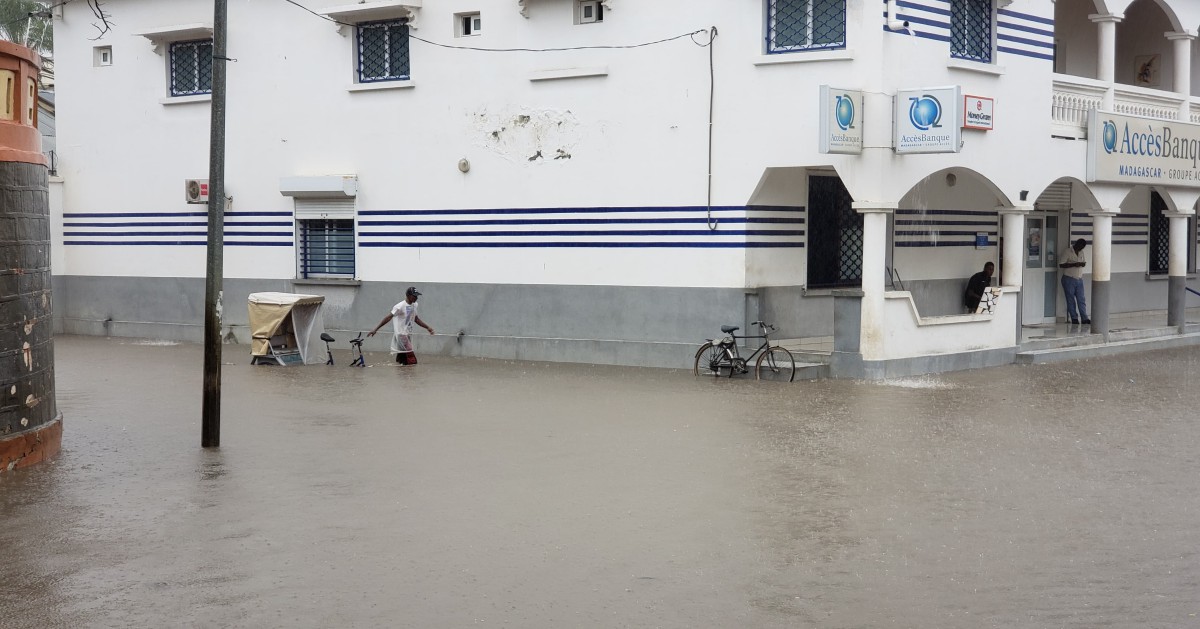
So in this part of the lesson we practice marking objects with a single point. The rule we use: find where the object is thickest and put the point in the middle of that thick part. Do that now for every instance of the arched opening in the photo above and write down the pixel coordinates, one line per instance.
(945, 229)
(1144, 56)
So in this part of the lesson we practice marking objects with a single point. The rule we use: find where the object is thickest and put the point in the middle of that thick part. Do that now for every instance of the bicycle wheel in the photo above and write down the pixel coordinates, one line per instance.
(710, 360)
(776, 364)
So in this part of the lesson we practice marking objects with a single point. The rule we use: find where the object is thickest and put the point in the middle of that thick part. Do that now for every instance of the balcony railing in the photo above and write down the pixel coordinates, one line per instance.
(1075, 96)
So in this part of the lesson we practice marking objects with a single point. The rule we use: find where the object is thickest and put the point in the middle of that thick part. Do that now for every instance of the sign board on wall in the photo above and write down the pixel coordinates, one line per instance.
(979, 112)
(927, 120)
(1132, 149)
(841, 120)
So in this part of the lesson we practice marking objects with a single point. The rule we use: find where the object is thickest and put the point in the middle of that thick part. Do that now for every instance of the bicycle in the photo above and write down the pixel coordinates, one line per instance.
(722, 357)
(356, 343)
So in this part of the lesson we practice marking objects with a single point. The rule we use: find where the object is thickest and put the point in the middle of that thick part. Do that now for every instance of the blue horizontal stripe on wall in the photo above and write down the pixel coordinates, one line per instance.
(920, 7)
(913, 19)
(920, 223)
(260, 234)
(202, 234)
(1022, 40)
(950, 212)
(199, 234)
(584, 244)
(131, 214)
(1025, 53)
(606, 232)
(172, 243)
(931, 243)
(942, 232)
(688, 224)
(587, 210)
(582, 221)
(1026, 16)
(155, 224)
(1024, 29)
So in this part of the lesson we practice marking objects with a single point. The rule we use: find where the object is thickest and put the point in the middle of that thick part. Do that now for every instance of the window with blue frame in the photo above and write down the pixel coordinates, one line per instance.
(383, 51)
(794, 25)
(326, 248)
(971, 30)
(191, 67)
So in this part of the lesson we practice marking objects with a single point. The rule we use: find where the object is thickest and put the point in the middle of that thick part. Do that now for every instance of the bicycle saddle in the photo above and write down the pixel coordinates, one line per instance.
(325, 337)
(729, 329)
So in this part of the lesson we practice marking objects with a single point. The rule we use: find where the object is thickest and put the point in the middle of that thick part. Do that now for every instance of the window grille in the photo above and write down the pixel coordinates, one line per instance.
(326, 247)
(835, 235)
(1160, 238)
(191, 67)
(971, 30)
(383, 51)
(805, 25)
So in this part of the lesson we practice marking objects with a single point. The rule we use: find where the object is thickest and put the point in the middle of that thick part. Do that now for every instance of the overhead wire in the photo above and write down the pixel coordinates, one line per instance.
(712, 81)
(691, 35)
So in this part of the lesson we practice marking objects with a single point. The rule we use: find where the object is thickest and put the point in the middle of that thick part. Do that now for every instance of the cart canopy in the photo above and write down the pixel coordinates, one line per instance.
(292, 320)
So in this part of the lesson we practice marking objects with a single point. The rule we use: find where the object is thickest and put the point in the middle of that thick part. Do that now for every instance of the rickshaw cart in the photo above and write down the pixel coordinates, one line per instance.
(285, 328)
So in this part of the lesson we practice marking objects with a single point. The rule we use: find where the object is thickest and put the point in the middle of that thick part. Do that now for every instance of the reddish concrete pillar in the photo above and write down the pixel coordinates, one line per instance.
(30, 426)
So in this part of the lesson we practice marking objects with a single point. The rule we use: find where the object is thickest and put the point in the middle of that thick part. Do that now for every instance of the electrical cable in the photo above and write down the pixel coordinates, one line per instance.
(712, 88)
(691, 35)
(31, 14)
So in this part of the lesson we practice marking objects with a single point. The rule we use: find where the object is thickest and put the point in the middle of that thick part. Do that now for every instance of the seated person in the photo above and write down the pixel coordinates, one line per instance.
(976, 285)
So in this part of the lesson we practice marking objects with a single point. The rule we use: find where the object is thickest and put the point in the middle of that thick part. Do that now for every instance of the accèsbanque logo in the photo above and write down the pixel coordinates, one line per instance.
(925, 113)
(844, 112)
(1109, 136)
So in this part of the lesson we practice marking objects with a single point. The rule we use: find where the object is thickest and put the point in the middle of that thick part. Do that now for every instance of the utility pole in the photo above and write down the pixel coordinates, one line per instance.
(210, 431)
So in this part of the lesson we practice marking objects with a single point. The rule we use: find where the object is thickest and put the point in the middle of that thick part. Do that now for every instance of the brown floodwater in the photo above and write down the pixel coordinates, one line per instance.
(465, 492)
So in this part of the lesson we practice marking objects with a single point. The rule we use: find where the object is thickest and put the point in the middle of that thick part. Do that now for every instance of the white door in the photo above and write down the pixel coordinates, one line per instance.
(1040, 278)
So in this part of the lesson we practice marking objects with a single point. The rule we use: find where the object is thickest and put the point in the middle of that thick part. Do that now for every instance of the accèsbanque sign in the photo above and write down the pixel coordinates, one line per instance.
(1133, 149)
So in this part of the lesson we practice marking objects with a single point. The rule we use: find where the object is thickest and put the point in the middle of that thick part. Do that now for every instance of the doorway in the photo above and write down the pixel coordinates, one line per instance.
(1040, 277)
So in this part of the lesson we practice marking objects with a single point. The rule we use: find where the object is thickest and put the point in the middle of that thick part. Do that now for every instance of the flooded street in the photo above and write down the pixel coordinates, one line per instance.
(468, 492)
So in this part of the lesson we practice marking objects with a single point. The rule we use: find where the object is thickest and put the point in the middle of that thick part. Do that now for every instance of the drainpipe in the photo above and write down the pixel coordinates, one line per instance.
(892, 23)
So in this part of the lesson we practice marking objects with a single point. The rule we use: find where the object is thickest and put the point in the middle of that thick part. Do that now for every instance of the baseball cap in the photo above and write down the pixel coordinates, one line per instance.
(412, 290)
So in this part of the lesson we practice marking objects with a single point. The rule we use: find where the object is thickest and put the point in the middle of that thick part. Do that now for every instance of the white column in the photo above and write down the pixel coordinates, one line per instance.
(1177, 268)
(1102, 221)
(1179, 253)
(1106, 53)
(1012, 261)
(875, 221)
(1183, 71)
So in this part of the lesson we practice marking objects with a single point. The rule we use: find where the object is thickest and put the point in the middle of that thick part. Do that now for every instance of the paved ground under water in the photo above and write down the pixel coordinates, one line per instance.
(469, 492)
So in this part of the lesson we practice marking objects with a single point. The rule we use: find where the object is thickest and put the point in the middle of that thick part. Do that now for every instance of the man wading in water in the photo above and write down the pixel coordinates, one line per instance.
(403, 315)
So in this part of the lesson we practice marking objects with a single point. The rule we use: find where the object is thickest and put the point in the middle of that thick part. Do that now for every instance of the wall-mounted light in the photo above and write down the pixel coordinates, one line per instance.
(1024, 195)
(951, 180)
(464, 165)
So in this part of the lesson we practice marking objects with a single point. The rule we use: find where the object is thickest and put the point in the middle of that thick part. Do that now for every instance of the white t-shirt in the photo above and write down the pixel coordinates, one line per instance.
(403, 314)
(1069, 256)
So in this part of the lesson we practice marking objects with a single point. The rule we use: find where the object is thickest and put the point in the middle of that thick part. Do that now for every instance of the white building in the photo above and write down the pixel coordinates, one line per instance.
(574, 181)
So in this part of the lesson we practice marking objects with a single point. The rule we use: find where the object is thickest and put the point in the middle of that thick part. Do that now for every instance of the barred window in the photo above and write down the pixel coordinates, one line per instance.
(805, 25)
(191, 67)
(383, 51)
(326, 247)
(971, 30)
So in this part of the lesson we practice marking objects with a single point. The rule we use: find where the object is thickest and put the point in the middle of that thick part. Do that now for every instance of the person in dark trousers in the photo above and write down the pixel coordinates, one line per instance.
(403, 315)
(976, 285)
(1072, 282)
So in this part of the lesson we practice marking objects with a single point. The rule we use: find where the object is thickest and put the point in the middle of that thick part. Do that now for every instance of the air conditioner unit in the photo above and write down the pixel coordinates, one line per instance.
(591, 11)
(196, 191)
